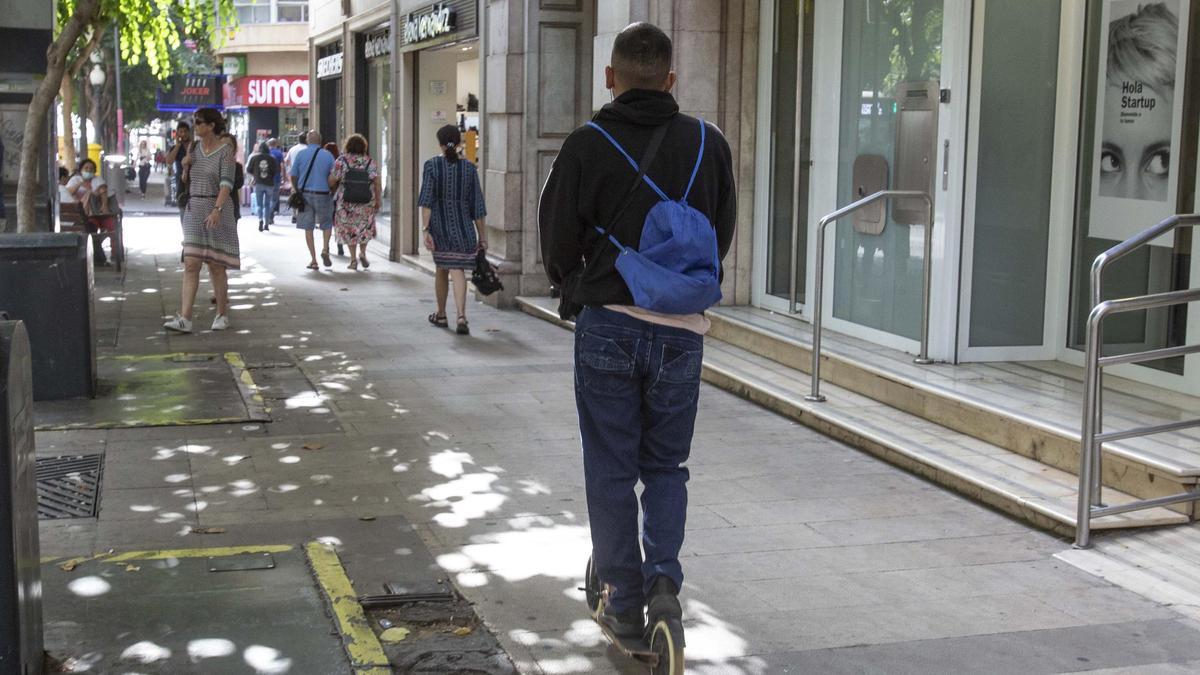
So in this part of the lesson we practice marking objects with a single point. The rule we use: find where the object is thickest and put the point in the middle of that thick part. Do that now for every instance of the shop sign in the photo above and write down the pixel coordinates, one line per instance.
(330, 66)
(233, 66)
(270, 92)
(429, 23)
(378, 44)
(185, 93)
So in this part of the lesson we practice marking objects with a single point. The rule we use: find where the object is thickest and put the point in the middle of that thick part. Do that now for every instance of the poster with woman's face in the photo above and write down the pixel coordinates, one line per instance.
(1135, 177)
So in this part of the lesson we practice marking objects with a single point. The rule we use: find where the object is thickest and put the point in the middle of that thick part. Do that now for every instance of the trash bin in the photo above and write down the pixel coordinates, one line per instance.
(46, 281)
(94, 152)
(114, 175)
(21, 649)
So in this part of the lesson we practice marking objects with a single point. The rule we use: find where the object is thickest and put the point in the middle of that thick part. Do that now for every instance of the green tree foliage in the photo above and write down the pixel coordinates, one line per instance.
(149, 31)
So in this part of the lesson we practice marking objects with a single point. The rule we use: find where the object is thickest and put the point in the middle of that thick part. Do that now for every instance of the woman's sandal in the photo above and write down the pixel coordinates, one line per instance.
(353, 265)
(314, 266)
(364, 262)
(463, 328)
(439, 321)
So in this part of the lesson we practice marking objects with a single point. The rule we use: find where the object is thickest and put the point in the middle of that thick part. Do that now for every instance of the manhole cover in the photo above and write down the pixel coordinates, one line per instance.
(68, 486)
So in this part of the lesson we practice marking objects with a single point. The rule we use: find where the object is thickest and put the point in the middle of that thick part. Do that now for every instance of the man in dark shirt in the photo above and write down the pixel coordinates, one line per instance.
(178, 152)
(637, 372)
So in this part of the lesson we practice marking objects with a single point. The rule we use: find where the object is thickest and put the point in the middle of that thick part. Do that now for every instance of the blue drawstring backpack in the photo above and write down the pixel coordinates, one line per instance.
(676, 268)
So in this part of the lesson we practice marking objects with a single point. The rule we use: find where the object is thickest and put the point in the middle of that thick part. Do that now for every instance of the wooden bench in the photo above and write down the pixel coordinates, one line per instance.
(71, 219)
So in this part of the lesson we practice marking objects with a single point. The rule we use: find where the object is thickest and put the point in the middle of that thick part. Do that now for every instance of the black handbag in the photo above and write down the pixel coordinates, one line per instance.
(485, 276)
(568, 309)
(296, 200)
(185, 188)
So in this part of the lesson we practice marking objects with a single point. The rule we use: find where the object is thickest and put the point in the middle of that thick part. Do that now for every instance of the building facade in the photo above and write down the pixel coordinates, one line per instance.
(1037, 153)
(268, 90)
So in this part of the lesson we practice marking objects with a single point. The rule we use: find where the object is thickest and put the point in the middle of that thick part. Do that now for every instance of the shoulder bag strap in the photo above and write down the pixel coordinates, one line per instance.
(311, 161)
(647, 159)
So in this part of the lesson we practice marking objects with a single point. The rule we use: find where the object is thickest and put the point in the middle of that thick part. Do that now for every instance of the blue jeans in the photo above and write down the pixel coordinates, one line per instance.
(264, 196)
(637, 385)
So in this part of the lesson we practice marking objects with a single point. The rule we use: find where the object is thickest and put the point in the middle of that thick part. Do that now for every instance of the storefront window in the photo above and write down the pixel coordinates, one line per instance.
(379, 104)
(1137, 165)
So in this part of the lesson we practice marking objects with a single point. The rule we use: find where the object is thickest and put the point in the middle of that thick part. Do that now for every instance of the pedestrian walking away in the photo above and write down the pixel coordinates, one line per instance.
(209, 227)
(264, 171)
(273, 144)
(618, 236)
(333, 150)
(310, 179)
(239, 176)
(357, 194)
(453, 219)
(143, 168)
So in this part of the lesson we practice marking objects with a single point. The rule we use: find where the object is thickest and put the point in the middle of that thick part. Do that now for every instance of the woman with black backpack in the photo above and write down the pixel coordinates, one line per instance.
(355, 179)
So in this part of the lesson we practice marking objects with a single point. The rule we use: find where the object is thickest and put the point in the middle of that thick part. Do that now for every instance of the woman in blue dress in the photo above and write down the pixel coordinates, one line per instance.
(452, 215)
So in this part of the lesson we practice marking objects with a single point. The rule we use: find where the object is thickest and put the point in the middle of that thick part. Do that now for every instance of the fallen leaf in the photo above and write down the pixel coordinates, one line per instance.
(343, 289)
(129, 567)
(313, 446)
(208, 530)
(395, 634)
(367, 518)
(460, 632)
(70, 565)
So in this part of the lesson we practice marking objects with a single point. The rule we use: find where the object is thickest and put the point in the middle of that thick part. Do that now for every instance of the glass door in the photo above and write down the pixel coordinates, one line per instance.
(899, 120)
(1011, 172)
(786, 130)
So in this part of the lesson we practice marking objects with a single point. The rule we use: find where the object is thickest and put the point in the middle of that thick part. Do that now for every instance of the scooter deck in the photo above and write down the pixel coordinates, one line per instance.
(633, 647)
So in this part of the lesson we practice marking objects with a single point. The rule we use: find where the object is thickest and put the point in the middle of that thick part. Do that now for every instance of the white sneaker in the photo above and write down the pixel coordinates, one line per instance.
(179, 325)
(221, 322)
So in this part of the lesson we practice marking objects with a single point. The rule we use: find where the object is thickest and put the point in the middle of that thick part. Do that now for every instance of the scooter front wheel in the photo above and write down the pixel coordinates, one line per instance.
(591, 587)
(666, 641)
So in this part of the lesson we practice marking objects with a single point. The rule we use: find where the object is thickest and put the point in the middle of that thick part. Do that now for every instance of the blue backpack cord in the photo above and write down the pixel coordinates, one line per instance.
(696, 169)
(632, 161)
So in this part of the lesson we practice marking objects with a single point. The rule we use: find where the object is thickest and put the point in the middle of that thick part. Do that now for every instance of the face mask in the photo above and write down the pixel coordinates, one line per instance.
(87, 175)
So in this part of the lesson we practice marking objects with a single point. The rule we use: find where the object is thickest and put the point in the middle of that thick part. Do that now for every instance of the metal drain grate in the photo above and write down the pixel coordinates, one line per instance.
(68, 486)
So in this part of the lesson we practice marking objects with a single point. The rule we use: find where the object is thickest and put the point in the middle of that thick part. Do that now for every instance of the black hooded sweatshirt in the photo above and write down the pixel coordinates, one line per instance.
(590, 179)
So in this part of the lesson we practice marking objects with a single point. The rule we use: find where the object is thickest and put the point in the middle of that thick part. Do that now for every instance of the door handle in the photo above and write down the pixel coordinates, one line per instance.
(945, 165)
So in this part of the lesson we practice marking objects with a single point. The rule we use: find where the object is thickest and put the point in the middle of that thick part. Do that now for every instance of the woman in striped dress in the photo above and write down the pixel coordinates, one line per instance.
(209, 226)
(452, 214)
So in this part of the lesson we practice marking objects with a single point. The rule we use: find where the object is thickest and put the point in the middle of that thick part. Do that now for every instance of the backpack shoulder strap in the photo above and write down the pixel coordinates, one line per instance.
(641, 170)
(695, 169)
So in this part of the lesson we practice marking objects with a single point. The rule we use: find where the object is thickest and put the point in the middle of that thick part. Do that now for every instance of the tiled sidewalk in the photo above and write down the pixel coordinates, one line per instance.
(802, 555)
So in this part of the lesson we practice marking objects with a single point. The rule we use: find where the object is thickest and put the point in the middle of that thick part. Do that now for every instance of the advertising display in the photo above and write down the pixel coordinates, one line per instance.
(271, 91)
(1135, 180)
(186, 93)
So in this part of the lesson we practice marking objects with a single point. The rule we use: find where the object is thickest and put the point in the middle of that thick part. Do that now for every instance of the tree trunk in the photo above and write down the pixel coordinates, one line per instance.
(86, 13)
(67, 93)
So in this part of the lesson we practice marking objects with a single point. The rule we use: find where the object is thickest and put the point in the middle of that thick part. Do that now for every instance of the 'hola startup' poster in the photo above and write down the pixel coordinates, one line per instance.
(1135, 178)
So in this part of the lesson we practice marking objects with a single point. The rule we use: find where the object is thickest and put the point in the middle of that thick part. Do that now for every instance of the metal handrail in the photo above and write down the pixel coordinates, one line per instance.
(1092, 437)
(923, 357)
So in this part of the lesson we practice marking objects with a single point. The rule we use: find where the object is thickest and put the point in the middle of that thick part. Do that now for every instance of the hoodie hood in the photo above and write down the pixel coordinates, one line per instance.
(644, 107)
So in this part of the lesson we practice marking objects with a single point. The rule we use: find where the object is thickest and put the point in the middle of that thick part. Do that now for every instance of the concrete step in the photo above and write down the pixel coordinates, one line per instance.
(1025, 488)
(1030, 409)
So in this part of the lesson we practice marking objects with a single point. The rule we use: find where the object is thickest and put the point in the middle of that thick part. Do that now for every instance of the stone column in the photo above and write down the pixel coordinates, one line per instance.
(538, 89)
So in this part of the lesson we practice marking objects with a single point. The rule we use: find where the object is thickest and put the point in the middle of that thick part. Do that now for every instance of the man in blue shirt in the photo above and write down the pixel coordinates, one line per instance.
(310, 177)
(273, 145)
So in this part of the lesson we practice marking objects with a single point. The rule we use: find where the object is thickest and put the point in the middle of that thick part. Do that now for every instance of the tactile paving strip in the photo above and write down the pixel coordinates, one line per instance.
(68, 486)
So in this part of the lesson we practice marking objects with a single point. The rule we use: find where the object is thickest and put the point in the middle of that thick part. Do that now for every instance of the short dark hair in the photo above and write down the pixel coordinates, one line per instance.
(641, 56)
(182, 124)
(355, 145)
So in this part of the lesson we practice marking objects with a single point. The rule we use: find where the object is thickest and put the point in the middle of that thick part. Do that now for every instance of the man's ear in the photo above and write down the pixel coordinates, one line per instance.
(610, 78)
(670, 81)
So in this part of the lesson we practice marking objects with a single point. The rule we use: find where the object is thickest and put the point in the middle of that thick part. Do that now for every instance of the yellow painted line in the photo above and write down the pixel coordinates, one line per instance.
(235, 360)
(212, 552)
(366, 653)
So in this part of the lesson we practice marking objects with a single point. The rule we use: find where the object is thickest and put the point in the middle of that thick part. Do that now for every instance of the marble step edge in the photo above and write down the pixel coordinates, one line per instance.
(1040, 512)
(1006, 424)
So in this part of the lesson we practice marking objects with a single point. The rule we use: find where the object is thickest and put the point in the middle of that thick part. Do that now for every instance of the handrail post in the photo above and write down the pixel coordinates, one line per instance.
(926, 283)
(1088, 455)
(819, 285)
(818, 296)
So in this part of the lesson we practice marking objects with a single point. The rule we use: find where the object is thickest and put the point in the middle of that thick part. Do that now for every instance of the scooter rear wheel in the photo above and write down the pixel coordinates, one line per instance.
(666, 641)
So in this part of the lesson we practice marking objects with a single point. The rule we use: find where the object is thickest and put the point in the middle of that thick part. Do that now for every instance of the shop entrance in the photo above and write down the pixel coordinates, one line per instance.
(448, 89)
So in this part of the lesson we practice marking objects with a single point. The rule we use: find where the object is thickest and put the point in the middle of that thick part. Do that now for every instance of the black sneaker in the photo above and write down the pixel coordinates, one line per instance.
(663, 601)
(628, 624)
(260, 225)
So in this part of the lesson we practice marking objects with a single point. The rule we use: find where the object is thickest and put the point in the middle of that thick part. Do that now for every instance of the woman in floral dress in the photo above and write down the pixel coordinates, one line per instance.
(354, 223)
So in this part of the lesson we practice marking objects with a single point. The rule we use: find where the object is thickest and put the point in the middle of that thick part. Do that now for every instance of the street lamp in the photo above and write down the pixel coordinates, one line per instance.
(97, 76)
